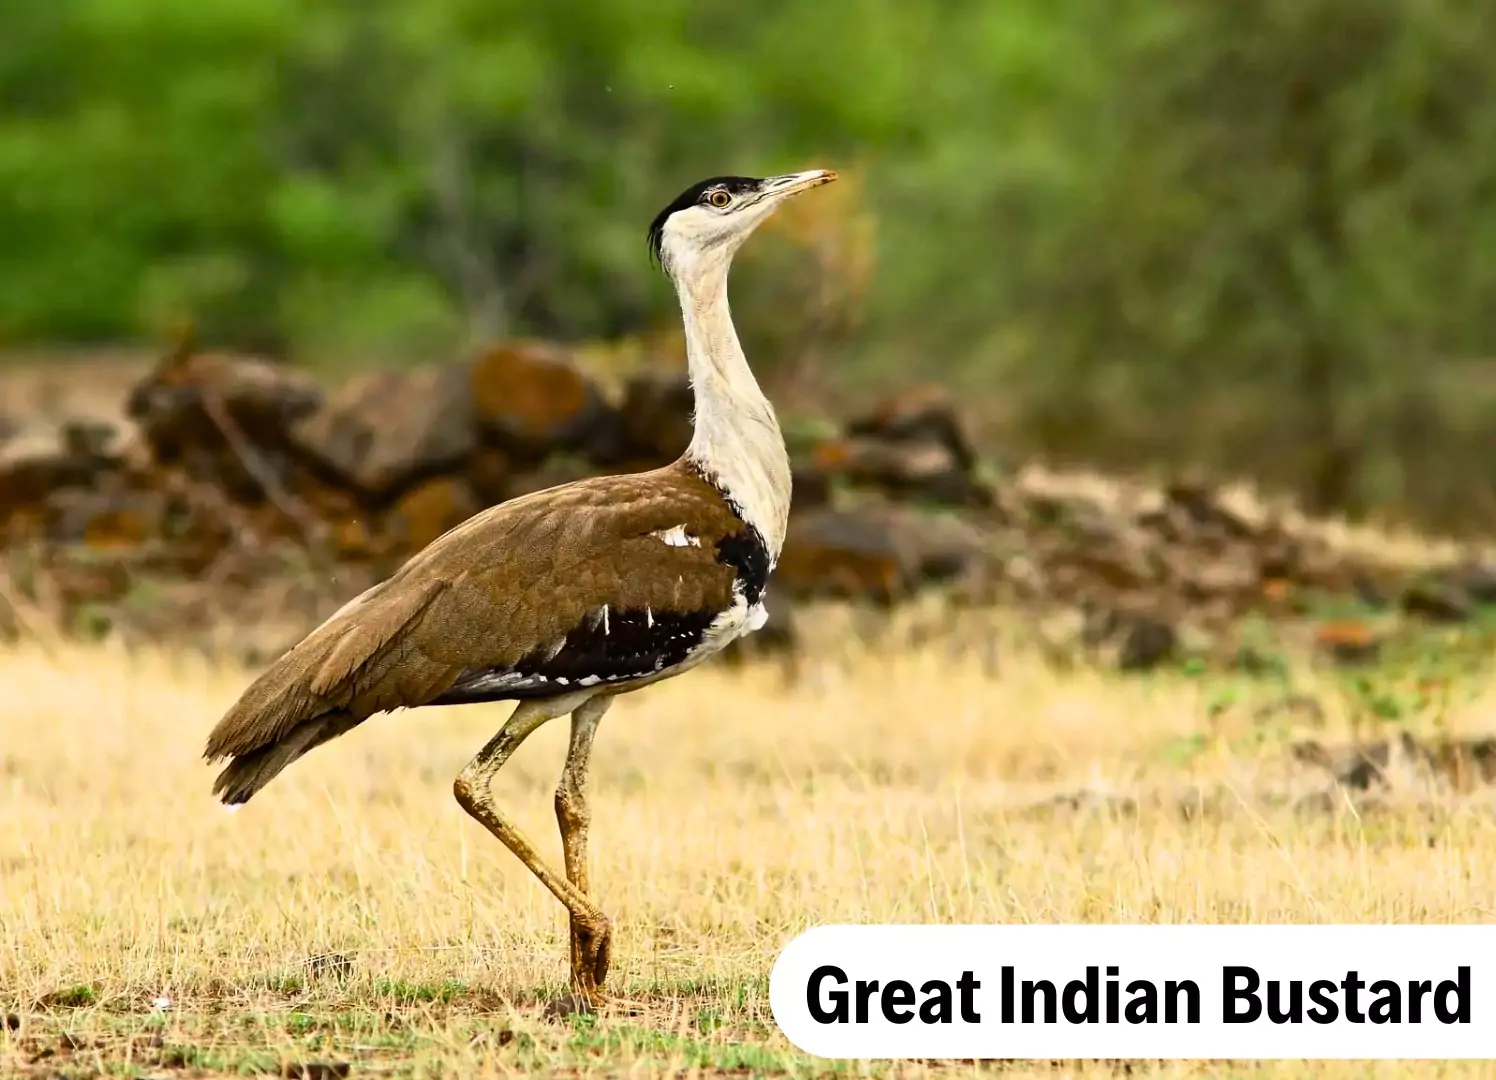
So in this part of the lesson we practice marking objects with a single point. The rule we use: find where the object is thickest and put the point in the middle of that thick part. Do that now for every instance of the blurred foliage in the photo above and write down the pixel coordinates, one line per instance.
(1254, 236)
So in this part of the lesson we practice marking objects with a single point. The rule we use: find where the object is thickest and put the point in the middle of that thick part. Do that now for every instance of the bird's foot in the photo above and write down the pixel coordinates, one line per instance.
(591, 950)
(596, 1003)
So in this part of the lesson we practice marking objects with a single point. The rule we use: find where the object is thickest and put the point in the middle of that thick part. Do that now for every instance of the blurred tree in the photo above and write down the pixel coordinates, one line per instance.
(1254, 235)
(1293, 235)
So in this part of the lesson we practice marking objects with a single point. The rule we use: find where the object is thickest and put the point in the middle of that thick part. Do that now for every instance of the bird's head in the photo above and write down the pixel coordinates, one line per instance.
(709, 220)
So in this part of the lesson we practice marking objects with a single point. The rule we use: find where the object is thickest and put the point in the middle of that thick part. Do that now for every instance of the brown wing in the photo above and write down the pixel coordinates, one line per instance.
(511, 587)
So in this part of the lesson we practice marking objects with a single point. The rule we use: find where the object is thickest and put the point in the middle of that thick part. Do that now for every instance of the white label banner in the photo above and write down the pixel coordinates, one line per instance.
(1180, 991)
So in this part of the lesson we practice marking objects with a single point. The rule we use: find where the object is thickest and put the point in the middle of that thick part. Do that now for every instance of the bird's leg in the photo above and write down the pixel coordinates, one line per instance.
(472, 791)
(589, 949)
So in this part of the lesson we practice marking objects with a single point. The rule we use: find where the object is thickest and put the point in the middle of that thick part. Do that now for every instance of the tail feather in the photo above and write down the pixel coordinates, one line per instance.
(248, 772)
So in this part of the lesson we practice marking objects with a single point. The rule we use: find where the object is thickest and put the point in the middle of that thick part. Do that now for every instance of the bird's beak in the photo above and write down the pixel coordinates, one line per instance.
(780, 187)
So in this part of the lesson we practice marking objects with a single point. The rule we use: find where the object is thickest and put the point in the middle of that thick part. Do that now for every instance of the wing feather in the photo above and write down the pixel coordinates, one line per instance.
(484, 596)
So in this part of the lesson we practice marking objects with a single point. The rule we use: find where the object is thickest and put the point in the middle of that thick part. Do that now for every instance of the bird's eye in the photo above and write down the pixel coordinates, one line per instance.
(719, 199)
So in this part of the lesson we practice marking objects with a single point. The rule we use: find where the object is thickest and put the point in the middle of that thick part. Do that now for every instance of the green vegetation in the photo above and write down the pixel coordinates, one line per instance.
(1257, 236)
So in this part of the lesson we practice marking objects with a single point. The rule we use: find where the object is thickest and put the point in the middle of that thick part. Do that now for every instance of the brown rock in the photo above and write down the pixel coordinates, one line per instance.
(656, 415)
(937, 548)
(919, 415)
(927, 471)
(531, 400)
(1118, 566)
(1203, 507)
(385, 431)
(79, 578)
(490, 473)
(1277, 593)
(41, 458)
(1318, 567)
(354, 537)
(428, 510)
(1147, 644)
(1076, 517)
(1348, 642)
(551, 474)
(811, 487)
(844, 554)
(324, 497)
(182, 402)
(1437, 601)
(107, 521)
(1478, 581)
(1233, 577)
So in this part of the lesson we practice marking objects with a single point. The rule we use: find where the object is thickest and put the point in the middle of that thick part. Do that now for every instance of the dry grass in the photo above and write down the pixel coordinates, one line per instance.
(729, 815)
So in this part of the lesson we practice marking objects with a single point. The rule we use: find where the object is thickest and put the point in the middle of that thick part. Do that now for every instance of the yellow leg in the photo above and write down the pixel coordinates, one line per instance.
(589, 951)
(589, 926)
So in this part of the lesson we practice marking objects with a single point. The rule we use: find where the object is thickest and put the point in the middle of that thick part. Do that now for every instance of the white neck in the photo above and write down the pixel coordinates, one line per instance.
(736, 442)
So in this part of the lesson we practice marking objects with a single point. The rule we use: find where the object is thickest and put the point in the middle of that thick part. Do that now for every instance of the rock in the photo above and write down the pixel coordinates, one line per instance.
(938, 548)
(551, 474)
(1437, 601)
(40, 459)
(1348, 642)
(1075, 517)
(490, 473)
(922, 415)
(327, 498)
(841, 553)
(811, 487)
(79, 578)
(1170, 523)
(1278, 553)
(1120, 567)
(385, 431)
(425, 512)
(1478, 581)
(224, 419)
(531, 400)
(1146, 644)
(1369, 592)
(354, 536)
(1233, 577)
(1203, 507)
(175, 405)
(1319, 567)
(926, 471)
(1277, 594)
(108, 521)
(656, 415)
(879, 552)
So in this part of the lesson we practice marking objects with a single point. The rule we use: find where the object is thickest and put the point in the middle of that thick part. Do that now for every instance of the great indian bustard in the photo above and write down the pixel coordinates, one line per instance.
(566, 598)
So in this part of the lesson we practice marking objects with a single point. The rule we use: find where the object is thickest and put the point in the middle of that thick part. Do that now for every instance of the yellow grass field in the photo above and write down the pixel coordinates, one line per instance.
(351, 915)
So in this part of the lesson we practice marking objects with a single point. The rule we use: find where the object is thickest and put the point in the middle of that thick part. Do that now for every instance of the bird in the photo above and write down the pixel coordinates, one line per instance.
(566, 598)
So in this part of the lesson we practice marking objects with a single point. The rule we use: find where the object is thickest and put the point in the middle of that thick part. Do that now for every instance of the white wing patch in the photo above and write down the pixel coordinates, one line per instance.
(676, 536)
(500, 680)
(737, 620)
